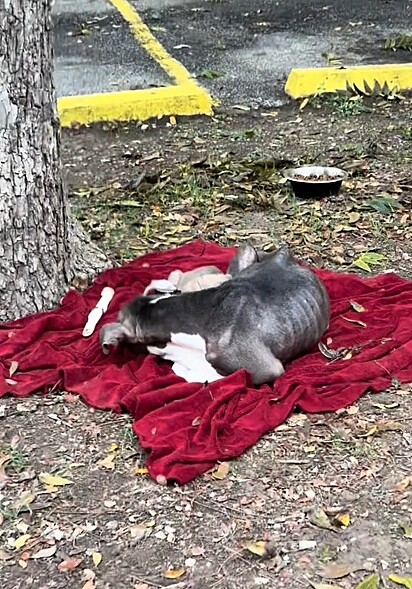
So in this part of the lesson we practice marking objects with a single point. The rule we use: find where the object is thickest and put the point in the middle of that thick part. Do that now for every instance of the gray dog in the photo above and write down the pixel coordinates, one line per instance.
(271, 311)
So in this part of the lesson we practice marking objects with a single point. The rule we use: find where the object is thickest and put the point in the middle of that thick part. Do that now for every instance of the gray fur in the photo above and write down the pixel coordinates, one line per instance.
(270, 312)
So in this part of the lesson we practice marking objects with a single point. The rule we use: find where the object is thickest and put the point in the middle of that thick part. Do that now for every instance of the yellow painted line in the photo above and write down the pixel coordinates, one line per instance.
(134, 105)
(186, 98)
(308, 82)
(173, 68)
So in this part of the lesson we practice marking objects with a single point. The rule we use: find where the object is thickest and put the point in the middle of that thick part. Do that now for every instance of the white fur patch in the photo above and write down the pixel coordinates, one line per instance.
(165, 296)
(187, 352)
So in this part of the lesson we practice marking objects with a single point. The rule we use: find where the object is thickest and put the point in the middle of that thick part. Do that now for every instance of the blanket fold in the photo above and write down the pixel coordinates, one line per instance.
(188, 427)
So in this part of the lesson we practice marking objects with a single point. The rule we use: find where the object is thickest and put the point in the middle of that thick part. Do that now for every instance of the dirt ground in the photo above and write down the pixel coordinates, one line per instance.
(323, 501)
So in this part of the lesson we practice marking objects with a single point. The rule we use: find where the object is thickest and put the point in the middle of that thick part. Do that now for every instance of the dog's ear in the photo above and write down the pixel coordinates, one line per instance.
(246, 255)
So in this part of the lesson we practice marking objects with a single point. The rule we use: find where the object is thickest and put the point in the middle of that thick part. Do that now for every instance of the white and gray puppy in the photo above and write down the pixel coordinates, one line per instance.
(271, 311)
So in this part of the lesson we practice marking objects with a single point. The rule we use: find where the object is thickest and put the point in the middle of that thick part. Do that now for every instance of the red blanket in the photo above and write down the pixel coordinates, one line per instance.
(185, 427)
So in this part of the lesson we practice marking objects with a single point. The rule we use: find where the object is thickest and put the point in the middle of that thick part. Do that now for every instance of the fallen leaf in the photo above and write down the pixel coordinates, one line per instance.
(23, 501)
(141, 470)
(69, 565)
(304, 103)
(339, 570)
(108, 462)
(382, 426)
(88, 575)
(323, 586)
(389, 426)
(97, 558)
(89, 584)
(141, 585)
(5, 555)
(22, 527)
(407, 530)
(402, 485)
(405, 581)
(21, 541)
(22, 563)
(210, 74)
(45, 552)
(221, 471)
(53, 481)
(353, 217)
(174, 573)
(342, 519)
(361, 323)
(258, 548)
(371, 582)
(319, 519)
(13, 367)
(357, 307)
(172, 120)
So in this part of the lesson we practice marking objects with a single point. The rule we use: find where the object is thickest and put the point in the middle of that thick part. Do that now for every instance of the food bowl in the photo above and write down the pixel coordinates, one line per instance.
(315, 181)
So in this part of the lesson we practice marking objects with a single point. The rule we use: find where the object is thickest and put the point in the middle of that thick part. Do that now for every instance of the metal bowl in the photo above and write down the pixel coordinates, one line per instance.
(305, 183)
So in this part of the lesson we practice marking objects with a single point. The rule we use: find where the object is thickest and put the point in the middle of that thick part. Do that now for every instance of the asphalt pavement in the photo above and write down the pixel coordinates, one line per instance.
(242, 51)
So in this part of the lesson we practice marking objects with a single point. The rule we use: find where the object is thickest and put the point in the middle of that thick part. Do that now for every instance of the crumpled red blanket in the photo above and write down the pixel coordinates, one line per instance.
(188, 428)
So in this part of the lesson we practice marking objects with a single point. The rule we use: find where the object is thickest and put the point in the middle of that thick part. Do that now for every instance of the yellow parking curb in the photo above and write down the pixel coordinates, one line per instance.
(186, 98)
(311, 81)
(134, 105)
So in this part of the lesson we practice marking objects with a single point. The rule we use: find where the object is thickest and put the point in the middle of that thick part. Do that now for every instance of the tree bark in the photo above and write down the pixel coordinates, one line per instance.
(41, 251)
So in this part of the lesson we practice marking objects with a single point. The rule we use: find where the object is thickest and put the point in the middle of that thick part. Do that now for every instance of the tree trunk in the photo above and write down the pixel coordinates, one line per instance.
(41, 251)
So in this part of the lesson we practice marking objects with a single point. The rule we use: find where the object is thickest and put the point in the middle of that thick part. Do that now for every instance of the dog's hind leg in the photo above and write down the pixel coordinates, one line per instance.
(256, 358)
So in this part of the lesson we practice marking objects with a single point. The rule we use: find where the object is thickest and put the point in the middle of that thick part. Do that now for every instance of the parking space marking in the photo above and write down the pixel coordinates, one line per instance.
(185, 97)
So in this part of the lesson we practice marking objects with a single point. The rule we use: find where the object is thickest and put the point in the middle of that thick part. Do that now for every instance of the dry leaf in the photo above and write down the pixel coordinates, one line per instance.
(89, 584)
(69, 565)
(355, 321)
(407, 530)
(342, 519)
(53, 481)
(13, 367)
(371, 582)
(323, 586)
(21, 541)
(258, 548)
(142, 470)
(382, 426)
(45, 552)
(353, 217)
(5, 555)
(404, 581)
(319, 519)
(339, 570)
(97, 558)
(357, 307)
(108, 462)
(402, 485)
(88, 575)
(174, 573)
(23, 501)
(221, 471)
